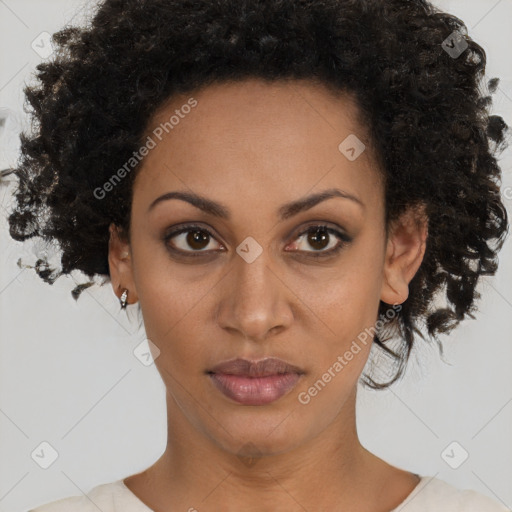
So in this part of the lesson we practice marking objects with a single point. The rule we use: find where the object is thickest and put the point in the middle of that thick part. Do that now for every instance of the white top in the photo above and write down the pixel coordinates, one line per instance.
(430, 495)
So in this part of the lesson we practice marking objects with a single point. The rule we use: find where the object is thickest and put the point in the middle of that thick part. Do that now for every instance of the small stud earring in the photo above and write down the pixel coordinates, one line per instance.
(123, 298)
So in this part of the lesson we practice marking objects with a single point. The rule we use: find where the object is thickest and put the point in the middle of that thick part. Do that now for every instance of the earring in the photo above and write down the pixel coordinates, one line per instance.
(123, 298)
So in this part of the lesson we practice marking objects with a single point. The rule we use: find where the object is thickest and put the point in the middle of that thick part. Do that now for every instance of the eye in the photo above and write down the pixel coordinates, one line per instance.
(199, 238)
(319, 237)
(194, 237)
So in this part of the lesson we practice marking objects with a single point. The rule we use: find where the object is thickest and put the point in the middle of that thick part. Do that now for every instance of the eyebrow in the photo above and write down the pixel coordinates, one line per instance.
(286, 211)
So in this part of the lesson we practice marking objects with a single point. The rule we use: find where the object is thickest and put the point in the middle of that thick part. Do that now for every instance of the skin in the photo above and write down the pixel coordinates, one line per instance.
(254, 146)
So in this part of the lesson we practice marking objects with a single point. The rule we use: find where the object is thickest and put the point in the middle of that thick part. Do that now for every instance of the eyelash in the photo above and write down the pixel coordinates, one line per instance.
(344, 239)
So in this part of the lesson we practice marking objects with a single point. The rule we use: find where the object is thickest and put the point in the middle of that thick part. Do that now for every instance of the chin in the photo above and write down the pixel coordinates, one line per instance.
(259, 432)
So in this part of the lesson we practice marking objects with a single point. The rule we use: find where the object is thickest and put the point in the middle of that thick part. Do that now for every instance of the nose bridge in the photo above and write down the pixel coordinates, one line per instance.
(254, 302)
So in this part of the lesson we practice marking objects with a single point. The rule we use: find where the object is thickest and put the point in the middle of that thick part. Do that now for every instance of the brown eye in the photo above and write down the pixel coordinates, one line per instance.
(191, 239)
(195, 240)
(319, 238)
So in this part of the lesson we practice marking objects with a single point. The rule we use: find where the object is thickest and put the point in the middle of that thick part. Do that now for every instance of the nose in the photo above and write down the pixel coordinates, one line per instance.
(255, 302)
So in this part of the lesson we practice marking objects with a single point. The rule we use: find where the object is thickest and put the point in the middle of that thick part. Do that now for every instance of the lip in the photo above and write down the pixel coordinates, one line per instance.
(255, 382)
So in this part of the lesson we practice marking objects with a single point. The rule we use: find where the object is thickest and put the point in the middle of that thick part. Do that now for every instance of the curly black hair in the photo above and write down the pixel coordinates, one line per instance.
(416, 75)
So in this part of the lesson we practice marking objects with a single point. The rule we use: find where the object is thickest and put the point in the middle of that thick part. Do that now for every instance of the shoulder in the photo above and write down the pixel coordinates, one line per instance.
(100, 497)
(433, 494)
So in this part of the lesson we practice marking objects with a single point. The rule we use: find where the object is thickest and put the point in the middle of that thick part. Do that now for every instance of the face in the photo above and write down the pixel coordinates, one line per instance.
(260, 271)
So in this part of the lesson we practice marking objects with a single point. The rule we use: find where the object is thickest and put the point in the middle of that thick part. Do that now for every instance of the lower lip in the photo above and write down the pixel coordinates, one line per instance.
(255, 390)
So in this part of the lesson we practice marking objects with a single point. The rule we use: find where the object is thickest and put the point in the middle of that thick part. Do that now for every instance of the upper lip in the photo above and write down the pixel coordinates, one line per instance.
(262, 368)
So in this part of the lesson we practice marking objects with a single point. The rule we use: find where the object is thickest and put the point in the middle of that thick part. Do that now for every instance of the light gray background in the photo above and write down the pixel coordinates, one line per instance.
(68, 375)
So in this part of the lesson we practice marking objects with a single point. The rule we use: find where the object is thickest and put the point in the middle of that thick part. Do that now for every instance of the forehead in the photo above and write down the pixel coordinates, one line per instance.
(257, 139)
(258, 105)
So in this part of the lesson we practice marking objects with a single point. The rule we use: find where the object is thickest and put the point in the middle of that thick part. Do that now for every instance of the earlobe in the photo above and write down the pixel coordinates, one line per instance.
(395, 289)
(120, 265)
(404, 253)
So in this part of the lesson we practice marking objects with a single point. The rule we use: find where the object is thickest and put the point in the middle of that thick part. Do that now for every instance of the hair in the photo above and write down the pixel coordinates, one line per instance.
(427, 113)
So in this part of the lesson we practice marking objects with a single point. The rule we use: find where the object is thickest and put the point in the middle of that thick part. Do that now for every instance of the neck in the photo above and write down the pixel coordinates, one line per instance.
(196, 472)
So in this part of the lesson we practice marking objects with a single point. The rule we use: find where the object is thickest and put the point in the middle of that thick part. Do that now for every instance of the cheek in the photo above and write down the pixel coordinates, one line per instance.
(345, 300)
(348, 309)
(171, 322)
(170, 304)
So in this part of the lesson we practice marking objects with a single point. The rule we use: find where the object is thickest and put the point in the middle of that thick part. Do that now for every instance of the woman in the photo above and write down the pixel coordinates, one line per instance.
(279, 185)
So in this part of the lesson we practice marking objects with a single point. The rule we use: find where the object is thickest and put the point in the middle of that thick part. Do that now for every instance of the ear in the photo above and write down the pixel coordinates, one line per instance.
(120, 264)
(406, 244)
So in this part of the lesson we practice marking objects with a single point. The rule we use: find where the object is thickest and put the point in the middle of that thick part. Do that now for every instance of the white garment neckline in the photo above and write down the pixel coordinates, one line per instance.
(424, 480)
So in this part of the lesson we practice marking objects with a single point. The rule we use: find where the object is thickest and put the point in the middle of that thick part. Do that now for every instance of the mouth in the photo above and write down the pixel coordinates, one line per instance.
(255, 382)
